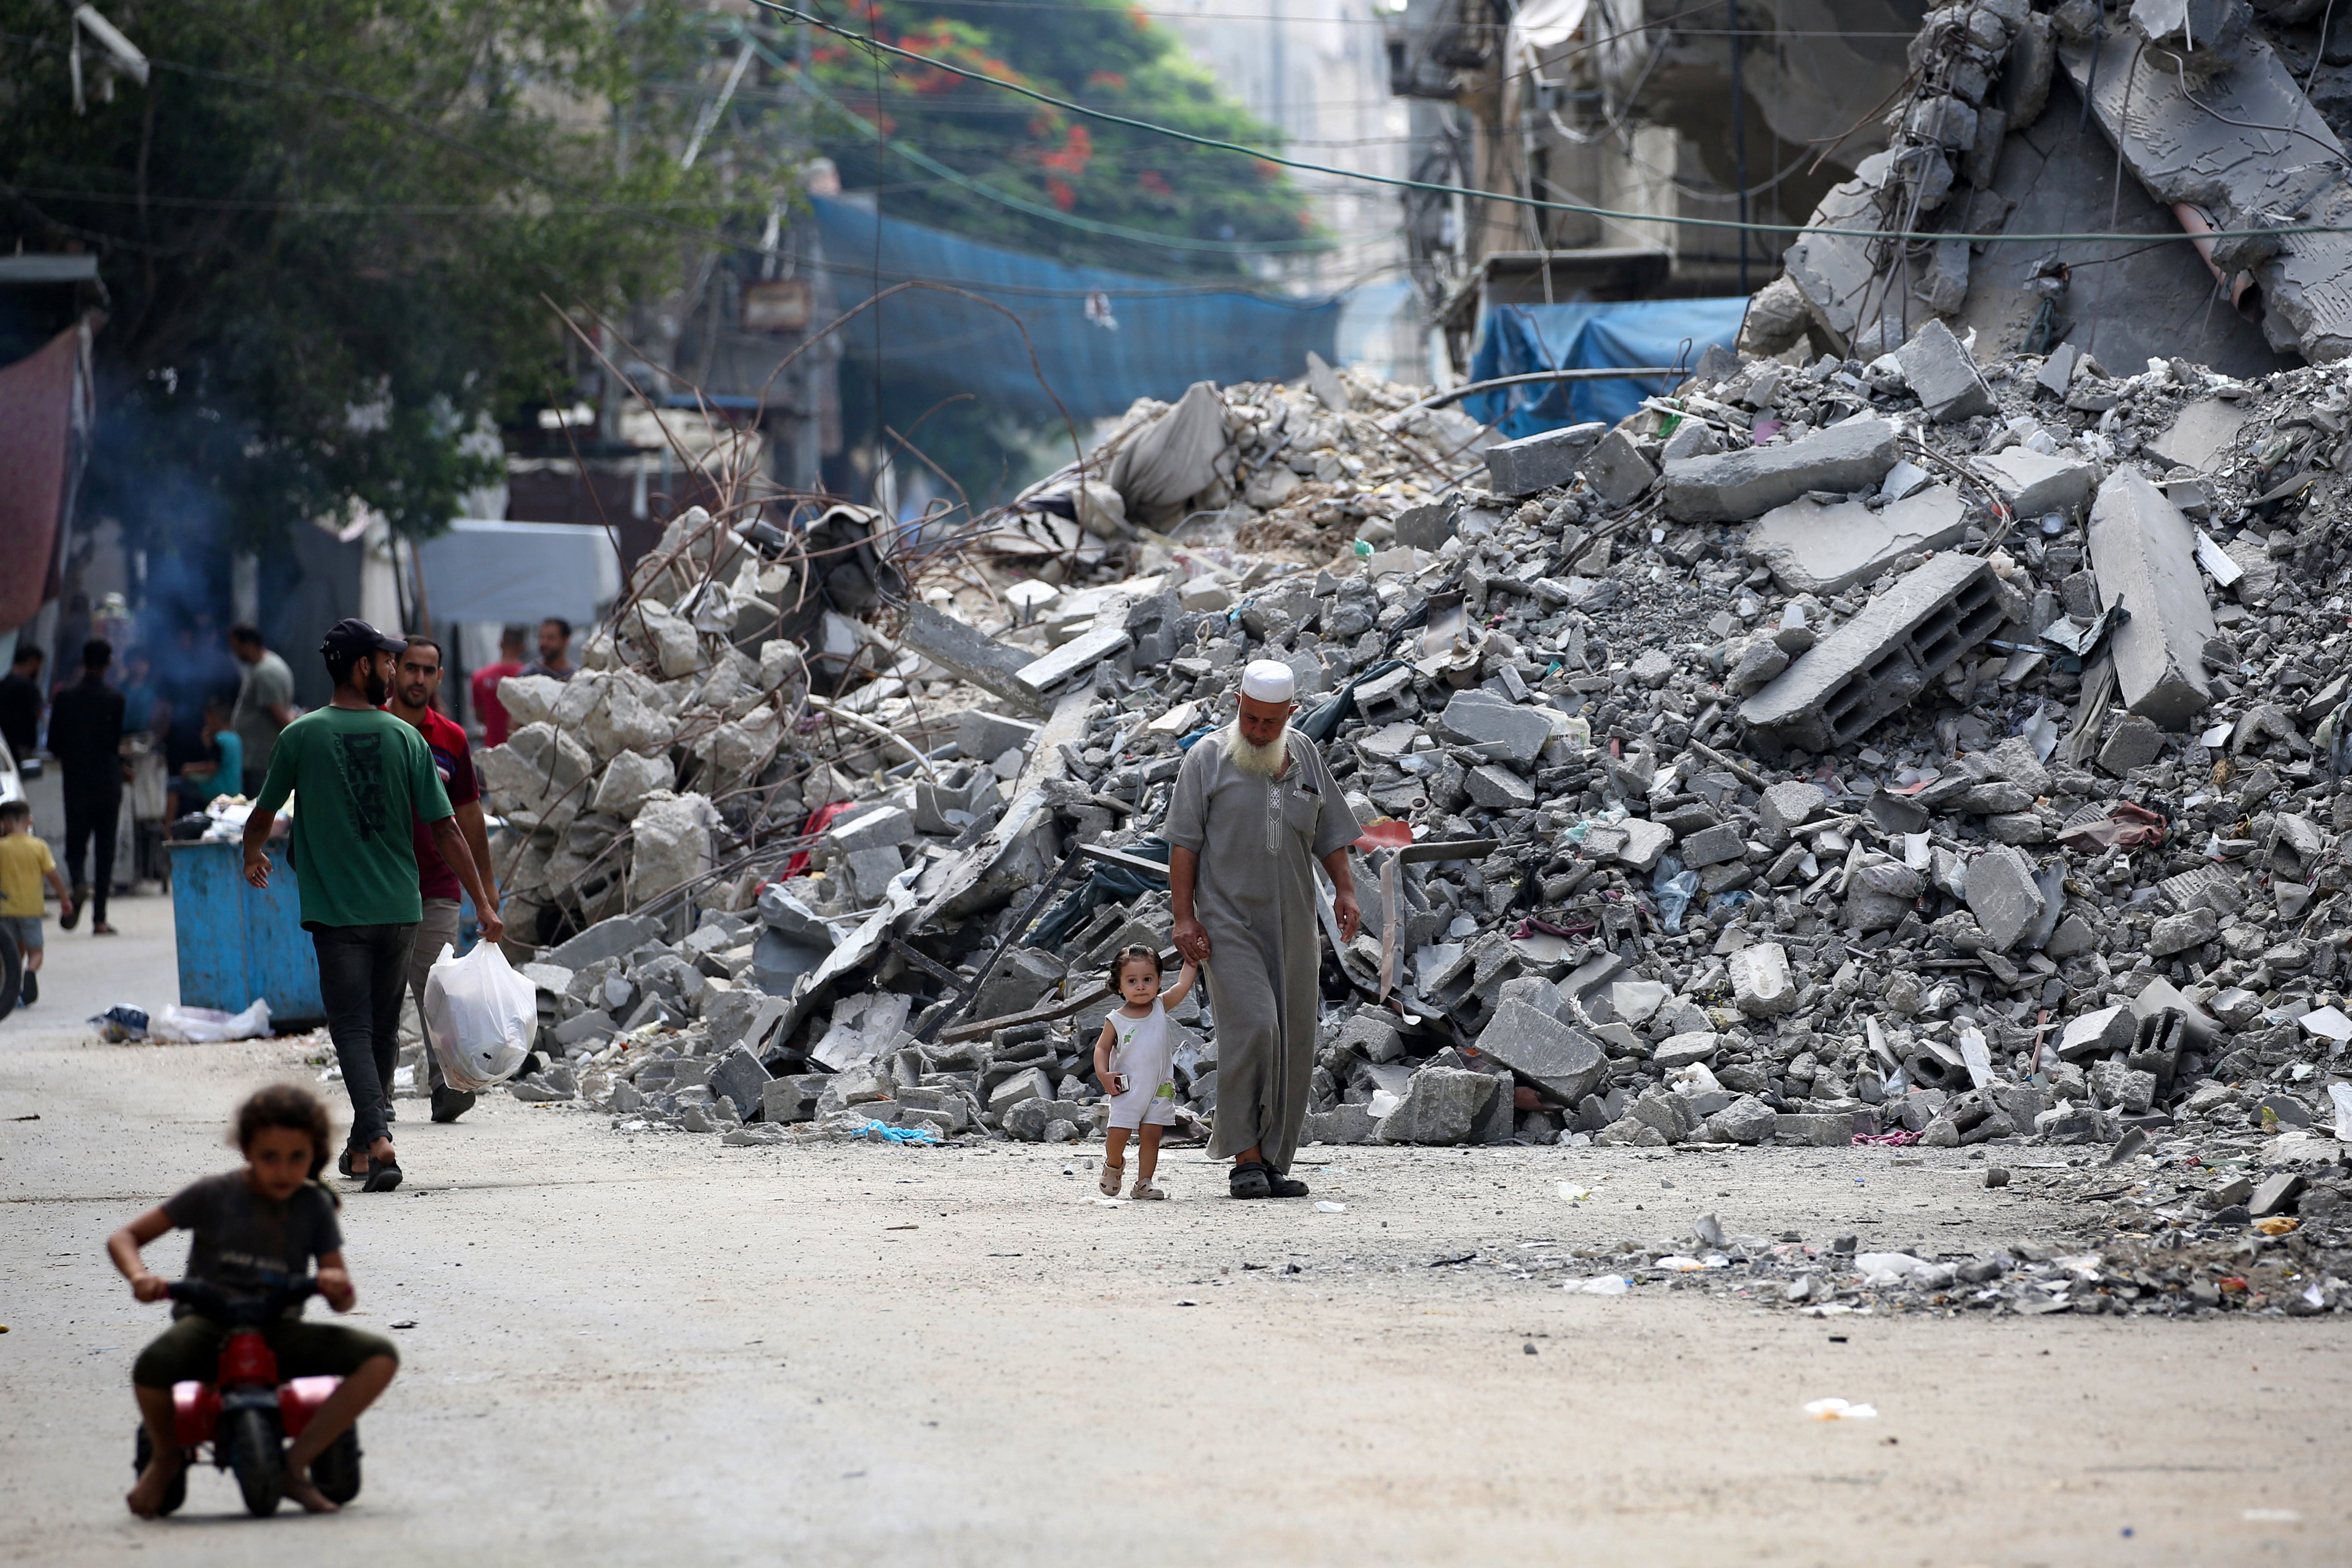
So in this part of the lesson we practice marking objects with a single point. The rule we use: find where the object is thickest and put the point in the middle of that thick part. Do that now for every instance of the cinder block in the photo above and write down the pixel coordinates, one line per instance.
(1537, 462)
(2144, 556)
(1878, 661)
(1734, 486)
(1943, 376)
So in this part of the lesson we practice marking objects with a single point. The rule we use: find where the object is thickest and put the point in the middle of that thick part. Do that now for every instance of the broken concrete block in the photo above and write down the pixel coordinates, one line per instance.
(2134, 742)
(740, 1078)
(1712, 846)
(2179, 932)
(877, 826)
(1478, 717)
(1745, 1120)
(1617, 471)
(971, 654)
(1340, 1124)
(1441, 1105)
(2276, 1195)
(1030, 1083)
(1538, 462)
(2143, 553)
(2096, 1034)
(1817, 1129)
(1788, 805)
(1735, 487)
(1939, 366)
(605, 939)
(1761, 984)
(2003, 896)
(1682, 1050)
(984, 736)
(1426, 527)
(794, 1099)
(1565, 1063)
(672, 845)
(628, 779)
(1073, 657)
(1809, 548)
(2033, 484)
(539, 776)
(1499, 789)
(1882, 658)
(1645, 842)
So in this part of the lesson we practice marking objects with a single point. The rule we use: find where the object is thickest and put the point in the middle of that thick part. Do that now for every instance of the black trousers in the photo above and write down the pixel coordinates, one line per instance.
(362, 969)
(89, 813)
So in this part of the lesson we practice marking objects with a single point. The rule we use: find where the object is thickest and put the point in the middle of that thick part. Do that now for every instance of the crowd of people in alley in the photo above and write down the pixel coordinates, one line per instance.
(217, 708)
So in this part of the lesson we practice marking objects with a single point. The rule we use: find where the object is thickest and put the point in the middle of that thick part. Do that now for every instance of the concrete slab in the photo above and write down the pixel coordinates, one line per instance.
(2144, 555)
(1734, 486)
(1823, 549)
(2201, 435)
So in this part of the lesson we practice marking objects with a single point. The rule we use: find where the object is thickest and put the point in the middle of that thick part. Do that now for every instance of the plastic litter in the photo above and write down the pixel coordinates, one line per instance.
(2340, 1097)
(890, 1134)
(209, 1026)
(480, 1017)
(1601, 1285)
(1327, 1206)
(1839, 1410)
(1573, 1193)
(1674, 888)
(118, 1024)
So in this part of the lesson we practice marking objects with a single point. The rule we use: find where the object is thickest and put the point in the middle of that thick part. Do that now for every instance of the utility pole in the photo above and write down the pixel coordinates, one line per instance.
(1739, 140)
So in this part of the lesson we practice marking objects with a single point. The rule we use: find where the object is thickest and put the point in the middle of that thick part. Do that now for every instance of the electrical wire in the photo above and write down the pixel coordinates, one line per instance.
(1512, 198)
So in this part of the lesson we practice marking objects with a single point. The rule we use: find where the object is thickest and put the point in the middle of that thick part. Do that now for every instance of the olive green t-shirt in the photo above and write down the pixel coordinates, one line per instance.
(361, 780)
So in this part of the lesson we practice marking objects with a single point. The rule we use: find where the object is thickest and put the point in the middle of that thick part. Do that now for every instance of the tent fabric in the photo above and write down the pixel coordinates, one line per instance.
(1516, 340)
(484, 569)
(1102, 338)
(44, 409)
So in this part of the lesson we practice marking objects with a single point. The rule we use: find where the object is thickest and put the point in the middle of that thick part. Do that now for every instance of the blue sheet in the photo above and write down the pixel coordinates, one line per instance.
(1168, 333)
(1515, 339)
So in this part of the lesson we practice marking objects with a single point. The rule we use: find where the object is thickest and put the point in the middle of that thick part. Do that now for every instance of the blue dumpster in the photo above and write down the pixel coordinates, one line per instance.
(237, 942)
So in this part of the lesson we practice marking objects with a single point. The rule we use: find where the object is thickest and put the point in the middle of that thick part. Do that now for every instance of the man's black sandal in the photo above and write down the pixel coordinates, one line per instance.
(1249, 1180)
(1280, 1186)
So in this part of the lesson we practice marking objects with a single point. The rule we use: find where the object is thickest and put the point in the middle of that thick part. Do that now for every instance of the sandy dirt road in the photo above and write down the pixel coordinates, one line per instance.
(654, 1350)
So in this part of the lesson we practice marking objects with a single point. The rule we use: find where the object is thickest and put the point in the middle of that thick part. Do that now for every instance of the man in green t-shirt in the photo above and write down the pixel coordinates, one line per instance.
(361, 780)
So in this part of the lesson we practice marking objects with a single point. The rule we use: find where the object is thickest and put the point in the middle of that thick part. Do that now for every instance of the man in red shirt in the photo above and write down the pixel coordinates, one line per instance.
(491, 712)
(416, 683)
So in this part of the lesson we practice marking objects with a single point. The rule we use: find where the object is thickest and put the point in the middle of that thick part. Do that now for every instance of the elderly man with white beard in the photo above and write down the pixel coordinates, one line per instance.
(1255, 808)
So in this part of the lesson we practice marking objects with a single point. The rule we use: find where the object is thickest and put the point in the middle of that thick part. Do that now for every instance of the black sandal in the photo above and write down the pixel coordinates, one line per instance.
(382, 1177)
(1250, 1179)
(343, 1166)
(1281, 1185)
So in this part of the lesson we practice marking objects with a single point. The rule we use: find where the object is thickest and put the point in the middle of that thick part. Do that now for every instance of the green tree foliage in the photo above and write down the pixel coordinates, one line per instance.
(1100, 53)
(325, 228)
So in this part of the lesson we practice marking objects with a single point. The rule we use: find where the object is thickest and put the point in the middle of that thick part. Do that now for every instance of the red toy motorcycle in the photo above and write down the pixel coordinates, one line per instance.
(245, 1413)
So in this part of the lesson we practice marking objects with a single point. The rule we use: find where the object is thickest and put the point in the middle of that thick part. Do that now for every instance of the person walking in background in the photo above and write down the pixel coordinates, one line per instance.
(265, 700)
(554, 649)
(366, 779)
(21, 703)
(416, 683)
(200, 781)
(86, 737)
(488, 711)
(144, 710)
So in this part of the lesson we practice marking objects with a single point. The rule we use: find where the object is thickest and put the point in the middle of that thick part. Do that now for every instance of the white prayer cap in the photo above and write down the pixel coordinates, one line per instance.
(1269, 681)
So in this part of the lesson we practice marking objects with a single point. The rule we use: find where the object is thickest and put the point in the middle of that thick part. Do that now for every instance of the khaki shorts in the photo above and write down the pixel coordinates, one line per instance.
(189, 1351)
(25, 928)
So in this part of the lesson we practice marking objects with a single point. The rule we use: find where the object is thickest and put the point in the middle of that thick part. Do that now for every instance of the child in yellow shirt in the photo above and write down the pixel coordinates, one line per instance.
(25, 860)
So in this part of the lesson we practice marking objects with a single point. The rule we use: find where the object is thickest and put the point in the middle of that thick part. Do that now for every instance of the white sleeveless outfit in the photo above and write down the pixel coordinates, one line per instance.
(1139, 1049)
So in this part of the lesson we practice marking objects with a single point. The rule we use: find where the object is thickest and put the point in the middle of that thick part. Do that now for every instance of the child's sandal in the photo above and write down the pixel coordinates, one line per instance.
(1145, 1192)
(1108, 1185)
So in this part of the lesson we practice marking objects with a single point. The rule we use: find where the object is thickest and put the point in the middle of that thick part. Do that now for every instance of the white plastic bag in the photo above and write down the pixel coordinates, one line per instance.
(480, 1017)
(209, 1026)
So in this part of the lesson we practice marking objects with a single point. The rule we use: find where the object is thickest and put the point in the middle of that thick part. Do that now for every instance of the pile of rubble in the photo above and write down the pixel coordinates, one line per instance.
(1900, 750)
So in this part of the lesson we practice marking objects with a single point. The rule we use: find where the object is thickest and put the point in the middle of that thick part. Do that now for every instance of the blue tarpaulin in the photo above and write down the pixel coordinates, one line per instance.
(1518, 338)
(1102, 338)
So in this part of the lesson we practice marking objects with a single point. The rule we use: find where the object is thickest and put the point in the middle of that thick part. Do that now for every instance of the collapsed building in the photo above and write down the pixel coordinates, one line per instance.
(1901, 751)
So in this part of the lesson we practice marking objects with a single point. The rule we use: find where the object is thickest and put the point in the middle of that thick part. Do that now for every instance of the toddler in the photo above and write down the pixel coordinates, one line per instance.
(252, 1226)
(1131, 1061)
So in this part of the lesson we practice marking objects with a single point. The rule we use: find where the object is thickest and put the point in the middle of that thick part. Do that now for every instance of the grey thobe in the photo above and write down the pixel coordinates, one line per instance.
(1259, 839)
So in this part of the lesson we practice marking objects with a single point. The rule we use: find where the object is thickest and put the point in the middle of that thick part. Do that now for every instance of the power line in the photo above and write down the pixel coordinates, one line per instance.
(1511, 198)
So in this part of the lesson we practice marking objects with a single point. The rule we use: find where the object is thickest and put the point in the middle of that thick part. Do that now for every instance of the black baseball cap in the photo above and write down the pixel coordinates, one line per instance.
(353, 636)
